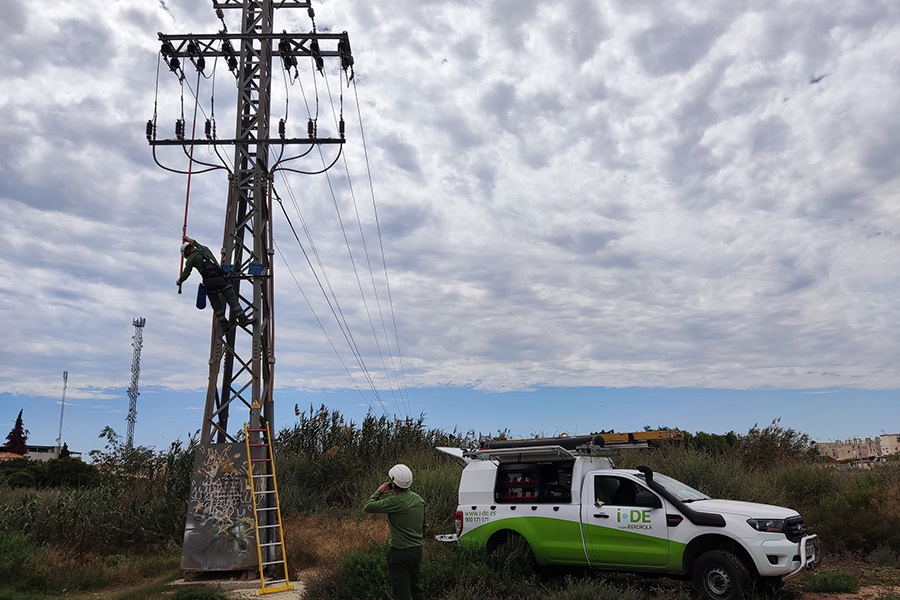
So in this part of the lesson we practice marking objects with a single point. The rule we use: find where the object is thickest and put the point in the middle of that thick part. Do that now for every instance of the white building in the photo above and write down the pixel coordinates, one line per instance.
(857, 449)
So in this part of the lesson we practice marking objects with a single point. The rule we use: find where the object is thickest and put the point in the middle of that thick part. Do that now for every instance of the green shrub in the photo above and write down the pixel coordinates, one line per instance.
(15, 551)
(71, 472)
(364, 574)
(865, 515)
(21, 479)
(830, 580)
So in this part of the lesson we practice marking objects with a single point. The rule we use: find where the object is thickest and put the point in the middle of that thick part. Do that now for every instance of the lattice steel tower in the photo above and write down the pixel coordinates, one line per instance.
(242, 360)
(137, 342)
(245, 359)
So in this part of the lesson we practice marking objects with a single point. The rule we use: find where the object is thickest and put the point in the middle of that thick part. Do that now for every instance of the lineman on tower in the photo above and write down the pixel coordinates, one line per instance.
(218, 289)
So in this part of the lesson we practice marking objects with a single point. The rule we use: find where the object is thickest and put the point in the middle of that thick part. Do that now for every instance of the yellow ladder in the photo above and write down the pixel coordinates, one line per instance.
(265, 493)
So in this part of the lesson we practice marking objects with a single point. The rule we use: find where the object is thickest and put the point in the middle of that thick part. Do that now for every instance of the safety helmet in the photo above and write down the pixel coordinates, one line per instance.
(400, 476)
(184, 248)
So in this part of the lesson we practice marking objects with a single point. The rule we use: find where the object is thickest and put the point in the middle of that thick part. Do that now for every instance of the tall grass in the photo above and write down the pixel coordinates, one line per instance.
(139, 503)
(327, 466)
(89, 537)
(325, 462)
(451, 573)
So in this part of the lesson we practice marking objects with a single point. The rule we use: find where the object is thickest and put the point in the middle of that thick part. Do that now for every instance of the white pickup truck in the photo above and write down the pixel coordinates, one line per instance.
(572, 507)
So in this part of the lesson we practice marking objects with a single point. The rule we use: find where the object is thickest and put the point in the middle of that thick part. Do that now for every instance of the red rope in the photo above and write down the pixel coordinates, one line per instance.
(187, 194)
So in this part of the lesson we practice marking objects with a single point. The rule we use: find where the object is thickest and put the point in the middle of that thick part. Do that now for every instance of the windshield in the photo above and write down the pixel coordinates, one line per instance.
(681, 491)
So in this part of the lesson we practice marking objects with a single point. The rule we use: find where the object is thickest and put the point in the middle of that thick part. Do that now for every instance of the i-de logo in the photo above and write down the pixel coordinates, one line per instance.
(634, 516)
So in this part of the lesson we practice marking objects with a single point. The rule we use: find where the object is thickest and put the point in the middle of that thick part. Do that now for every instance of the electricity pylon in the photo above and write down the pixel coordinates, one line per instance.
(137, 342)
(242, 361)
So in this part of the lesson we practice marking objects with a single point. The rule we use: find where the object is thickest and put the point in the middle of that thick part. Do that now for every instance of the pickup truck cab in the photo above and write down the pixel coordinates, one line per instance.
(573, 507)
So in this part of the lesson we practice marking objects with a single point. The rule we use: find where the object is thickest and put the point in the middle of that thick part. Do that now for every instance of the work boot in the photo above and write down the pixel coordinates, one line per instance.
(243, 319)
(223, 325)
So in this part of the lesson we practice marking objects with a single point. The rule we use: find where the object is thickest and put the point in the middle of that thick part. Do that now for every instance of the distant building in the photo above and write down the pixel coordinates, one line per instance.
(42, 453)
(857, 449)
(890, 444)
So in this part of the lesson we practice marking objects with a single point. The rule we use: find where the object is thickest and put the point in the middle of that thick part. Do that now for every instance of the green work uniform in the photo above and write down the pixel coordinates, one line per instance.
(218, 288)
(406, 516)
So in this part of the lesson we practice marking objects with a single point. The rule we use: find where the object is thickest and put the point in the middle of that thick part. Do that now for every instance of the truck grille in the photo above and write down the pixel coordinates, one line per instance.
(794, 528)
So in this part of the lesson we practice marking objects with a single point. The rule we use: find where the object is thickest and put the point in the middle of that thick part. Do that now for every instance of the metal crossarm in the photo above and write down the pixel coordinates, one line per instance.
(264, 489)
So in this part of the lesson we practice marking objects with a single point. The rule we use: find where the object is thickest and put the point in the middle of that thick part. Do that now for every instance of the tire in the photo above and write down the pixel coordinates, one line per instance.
(720, 575)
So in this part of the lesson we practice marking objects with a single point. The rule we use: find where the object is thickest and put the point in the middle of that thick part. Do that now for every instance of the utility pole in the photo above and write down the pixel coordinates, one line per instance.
(137, 342)
(242, 359)
(62, 409)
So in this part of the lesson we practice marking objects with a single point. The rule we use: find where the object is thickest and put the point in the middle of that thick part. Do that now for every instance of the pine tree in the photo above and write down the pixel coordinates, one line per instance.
(17, 440)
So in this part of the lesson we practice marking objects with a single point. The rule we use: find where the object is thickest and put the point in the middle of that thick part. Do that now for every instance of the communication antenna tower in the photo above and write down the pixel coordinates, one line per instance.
(137, 343)
(62, 409)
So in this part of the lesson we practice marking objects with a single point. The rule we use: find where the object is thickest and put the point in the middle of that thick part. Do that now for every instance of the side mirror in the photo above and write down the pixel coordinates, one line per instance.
(647, 500)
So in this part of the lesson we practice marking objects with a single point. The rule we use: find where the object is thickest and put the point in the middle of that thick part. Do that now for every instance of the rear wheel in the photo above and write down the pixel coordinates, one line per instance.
(720, 575)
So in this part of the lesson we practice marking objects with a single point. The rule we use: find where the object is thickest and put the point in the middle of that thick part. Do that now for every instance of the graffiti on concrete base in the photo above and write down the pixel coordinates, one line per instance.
(220, 527)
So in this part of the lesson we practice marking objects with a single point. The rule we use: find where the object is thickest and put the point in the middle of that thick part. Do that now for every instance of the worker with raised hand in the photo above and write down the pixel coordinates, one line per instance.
(218, 289)
(406, 517)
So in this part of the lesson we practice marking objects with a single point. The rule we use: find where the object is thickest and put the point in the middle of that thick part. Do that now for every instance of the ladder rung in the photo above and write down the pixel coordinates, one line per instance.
(264, 475)
(259, 445)
(260, 460)
(270, 508)
(265, 492)
(274, 562)
(276, 581)
(272, 544)
(268, 526)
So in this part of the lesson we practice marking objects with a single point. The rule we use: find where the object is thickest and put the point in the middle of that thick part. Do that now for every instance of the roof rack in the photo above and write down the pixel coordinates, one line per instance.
(567, 447)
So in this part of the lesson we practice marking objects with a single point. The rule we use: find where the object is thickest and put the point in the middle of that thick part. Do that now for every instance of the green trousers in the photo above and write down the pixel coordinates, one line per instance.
(404, 568)
(217, 290)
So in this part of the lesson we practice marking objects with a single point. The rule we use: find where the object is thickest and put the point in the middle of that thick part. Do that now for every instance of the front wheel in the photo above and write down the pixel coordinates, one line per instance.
(720, 575)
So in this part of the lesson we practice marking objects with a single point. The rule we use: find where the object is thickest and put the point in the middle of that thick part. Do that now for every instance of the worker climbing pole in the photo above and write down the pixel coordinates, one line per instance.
(220, 533)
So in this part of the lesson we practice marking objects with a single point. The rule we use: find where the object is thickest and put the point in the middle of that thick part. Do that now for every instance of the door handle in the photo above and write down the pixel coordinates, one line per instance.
(601, 515)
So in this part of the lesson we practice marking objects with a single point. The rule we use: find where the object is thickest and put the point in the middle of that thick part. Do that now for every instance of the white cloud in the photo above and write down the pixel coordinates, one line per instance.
(701, 194)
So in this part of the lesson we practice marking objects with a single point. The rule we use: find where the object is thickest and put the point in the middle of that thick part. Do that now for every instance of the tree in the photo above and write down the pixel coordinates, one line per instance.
(17, 440)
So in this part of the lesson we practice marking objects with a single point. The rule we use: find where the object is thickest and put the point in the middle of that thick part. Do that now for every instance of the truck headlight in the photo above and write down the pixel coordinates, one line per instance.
(767, 525)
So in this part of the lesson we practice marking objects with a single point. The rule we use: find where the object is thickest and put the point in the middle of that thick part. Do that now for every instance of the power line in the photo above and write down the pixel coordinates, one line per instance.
(403, 410)
(332, 301)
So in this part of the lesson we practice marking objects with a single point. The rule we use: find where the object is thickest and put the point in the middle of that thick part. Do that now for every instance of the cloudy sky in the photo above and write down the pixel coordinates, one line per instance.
(684, 210)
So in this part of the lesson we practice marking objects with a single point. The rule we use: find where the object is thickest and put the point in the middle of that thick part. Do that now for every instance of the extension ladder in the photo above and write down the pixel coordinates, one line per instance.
(264, 488)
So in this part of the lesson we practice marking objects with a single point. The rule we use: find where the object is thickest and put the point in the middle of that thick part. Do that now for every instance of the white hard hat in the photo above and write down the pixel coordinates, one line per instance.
(400, 476)
(184, 247)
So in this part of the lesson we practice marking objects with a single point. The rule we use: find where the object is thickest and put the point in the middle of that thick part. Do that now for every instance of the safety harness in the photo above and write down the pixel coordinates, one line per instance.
(209, 269)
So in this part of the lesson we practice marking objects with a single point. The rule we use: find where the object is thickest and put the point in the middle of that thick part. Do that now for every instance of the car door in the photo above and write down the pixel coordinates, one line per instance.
(619, 529)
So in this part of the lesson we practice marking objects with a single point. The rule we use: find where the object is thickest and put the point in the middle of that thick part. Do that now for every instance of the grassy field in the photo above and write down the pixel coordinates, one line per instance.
(114, 534)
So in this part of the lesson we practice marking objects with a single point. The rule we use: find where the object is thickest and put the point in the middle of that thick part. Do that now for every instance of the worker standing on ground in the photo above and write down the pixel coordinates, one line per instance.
(406, 516)
(218, 289)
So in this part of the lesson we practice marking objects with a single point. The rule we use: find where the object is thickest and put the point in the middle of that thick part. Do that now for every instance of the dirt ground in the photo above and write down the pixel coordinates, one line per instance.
(294, 594)
(317, 540)
(864, 593)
